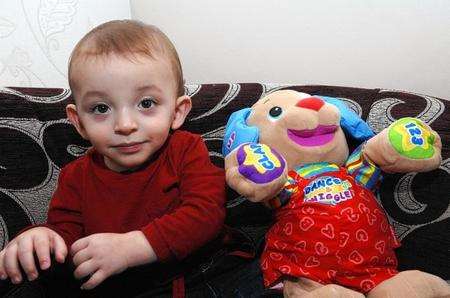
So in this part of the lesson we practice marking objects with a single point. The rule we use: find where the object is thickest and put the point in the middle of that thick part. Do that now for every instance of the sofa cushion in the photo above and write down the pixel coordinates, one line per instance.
(36, 140)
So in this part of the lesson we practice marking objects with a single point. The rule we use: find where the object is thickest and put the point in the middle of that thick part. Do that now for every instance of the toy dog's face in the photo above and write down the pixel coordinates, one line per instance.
(300, 127)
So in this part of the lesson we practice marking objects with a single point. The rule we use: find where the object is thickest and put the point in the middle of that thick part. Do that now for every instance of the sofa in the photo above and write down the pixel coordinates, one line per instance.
(36, 140)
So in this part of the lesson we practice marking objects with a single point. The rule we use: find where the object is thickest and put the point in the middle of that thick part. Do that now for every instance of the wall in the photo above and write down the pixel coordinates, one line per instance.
(399, 44)
(37, 37)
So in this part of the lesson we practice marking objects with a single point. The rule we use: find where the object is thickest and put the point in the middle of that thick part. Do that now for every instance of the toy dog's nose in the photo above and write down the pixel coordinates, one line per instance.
(312, 103)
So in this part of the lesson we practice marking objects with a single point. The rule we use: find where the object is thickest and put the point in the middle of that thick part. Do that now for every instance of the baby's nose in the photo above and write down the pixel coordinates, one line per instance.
(312, 103)
(124, 124)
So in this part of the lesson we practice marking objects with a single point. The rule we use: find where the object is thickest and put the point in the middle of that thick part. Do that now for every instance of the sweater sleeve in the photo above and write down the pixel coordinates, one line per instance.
(64, 214)
(200, 216)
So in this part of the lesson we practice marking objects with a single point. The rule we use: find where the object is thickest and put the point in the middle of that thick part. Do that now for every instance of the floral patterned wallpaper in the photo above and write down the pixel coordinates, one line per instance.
(37, 37)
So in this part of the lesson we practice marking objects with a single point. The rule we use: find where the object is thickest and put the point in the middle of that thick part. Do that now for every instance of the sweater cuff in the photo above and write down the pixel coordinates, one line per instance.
(157, 242)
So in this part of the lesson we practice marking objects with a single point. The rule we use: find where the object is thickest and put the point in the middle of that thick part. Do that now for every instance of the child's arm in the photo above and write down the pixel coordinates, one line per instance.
(200, 216)
(19, 253)
(64, 214)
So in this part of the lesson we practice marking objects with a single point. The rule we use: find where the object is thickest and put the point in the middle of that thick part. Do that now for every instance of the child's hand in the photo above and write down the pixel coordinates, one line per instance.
(20, 253)
(102, 255)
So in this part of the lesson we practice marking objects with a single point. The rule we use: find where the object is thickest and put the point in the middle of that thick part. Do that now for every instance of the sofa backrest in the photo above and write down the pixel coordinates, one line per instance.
(36, 140)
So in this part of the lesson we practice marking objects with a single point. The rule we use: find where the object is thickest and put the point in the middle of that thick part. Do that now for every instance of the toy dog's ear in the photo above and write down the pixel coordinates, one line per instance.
(237, 131)
(351, 123)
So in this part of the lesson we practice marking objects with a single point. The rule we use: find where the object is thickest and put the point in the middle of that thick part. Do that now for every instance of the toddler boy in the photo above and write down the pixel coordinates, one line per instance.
(145, 192)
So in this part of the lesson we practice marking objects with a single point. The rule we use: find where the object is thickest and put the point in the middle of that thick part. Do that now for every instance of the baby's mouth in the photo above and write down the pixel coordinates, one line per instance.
(318, 136)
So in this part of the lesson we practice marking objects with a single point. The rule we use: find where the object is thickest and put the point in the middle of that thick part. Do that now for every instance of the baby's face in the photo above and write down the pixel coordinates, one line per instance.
(126, 108)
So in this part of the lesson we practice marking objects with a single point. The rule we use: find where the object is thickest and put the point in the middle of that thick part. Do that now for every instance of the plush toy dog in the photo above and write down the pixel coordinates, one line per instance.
(330, 237)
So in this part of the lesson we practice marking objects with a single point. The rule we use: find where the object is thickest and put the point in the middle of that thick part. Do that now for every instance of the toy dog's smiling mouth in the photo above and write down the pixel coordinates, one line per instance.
(318, 136)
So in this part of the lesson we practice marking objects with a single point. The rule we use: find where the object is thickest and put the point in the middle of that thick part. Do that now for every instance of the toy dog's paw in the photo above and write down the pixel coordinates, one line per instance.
(256, 171)
(406, 145)
(307, 288)
(412, 138)
(259, 163)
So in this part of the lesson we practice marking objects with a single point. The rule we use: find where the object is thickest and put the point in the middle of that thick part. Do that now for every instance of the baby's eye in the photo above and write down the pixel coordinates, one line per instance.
(275, 113)
(100, 109)
(147, 103)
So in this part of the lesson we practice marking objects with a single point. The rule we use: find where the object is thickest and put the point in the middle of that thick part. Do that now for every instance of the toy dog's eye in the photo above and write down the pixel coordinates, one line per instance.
(275, 112)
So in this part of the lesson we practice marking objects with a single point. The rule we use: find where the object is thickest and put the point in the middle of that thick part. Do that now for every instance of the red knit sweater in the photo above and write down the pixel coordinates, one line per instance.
(176, 200)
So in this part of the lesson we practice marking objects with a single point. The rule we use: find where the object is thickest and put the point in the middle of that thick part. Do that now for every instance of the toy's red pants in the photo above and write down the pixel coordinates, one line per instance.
(332, 231)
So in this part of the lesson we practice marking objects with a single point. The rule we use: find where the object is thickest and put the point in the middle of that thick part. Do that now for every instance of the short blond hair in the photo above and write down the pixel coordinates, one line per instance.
(126, 38)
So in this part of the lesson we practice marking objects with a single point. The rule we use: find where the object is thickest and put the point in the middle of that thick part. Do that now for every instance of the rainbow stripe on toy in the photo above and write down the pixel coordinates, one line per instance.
(365, 172)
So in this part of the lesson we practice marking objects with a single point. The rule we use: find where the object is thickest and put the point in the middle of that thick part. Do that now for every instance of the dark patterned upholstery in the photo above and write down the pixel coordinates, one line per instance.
(36, 140)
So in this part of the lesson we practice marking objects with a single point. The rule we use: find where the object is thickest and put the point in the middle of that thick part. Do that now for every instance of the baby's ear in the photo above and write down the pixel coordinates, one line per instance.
(183, 106)
(71, 112)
